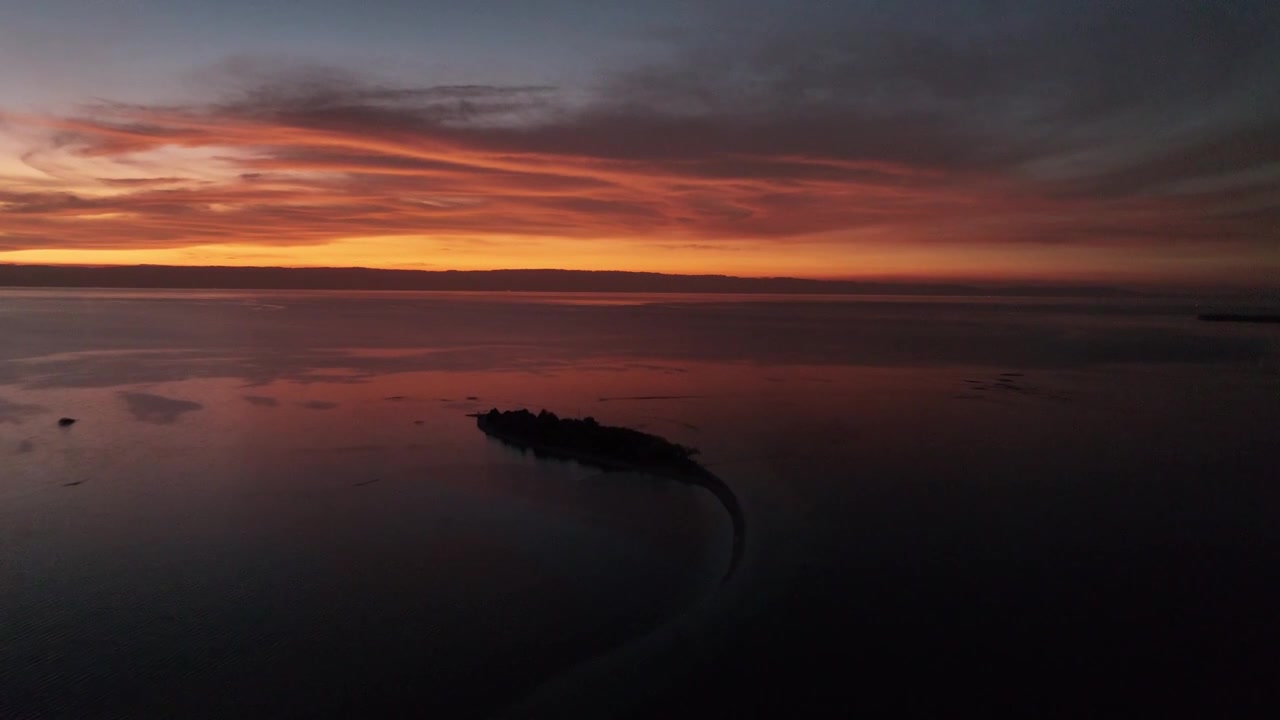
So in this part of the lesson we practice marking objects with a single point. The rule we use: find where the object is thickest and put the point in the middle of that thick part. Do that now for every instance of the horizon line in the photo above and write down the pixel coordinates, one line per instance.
(236, 277)
(869, 279)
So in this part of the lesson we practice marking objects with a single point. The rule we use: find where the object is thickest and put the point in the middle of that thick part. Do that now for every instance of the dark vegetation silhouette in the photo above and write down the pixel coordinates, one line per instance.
(614, 448)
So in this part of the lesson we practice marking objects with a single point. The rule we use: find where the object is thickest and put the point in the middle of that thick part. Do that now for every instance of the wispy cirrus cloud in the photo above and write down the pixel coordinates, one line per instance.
(344, 161)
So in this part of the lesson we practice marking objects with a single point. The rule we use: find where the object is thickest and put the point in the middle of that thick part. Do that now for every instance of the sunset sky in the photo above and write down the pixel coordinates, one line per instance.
(1130, 142)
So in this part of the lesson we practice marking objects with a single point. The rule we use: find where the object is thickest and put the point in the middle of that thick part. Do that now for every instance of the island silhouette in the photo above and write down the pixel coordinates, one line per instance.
(613, 449)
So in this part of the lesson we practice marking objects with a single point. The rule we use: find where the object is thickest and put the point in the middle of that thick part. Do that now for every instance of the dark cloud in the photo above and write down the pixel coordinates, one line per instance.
(989, 86)
(326, 96)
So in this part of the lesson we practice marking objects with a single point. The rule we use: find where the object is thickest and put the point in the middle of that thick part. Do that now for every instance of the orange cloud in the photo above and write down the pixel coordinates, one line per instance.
(403, 181)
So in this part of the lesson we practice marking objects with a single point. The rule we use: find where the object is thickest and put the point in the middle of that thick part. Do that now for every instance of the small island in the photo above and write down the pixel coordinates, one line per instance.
(589, 442)
(613, 448)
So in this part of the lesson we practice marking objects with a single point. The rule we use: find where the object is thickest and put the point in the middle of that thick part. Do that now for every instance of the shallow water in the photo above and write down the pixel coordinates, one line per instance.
(274, 501)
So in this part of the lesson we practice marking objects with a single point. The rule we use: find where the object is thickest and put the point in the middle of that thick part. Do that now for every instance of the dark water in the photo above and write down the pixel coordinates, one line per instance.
(273, 504)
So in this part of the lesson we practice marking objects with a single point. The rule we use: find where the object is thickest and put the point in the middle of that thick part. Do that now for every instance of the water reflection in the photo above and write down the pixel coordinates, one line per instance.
(241, 478)
(150, 408)
(261, 401)
(14, 413)
(72, 341)
(318, 405)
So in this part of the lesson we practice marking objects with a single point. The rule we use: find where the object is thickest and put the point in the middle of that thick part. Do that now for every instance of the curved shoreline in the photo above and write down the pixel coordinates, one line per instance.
(589, 687)
(688, 472)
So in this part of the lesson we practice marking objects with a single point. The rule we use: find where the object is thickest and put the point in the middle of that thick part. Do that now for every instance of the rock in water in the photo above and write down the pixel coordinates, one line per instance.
(66, 421)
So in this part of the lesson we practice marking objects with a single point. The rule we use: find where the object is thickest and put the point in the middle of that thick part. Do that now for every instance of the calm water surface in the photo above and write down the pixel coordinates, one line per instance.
(273, 504)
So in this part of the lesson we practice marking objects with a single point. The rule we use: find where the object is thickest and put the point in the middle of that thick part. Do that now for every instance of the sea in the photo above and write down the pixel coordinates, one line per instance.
(277, 504)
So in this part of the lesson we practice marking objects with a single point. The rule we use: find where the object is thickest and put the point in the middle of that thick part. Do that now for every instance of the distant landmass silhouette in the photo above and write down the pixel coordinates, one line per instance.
(276, 278)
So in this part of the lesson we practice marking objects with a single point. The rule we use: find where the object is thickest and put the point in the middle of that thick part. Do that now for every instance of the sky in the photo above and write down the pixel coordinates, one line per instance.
(1064, 140)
